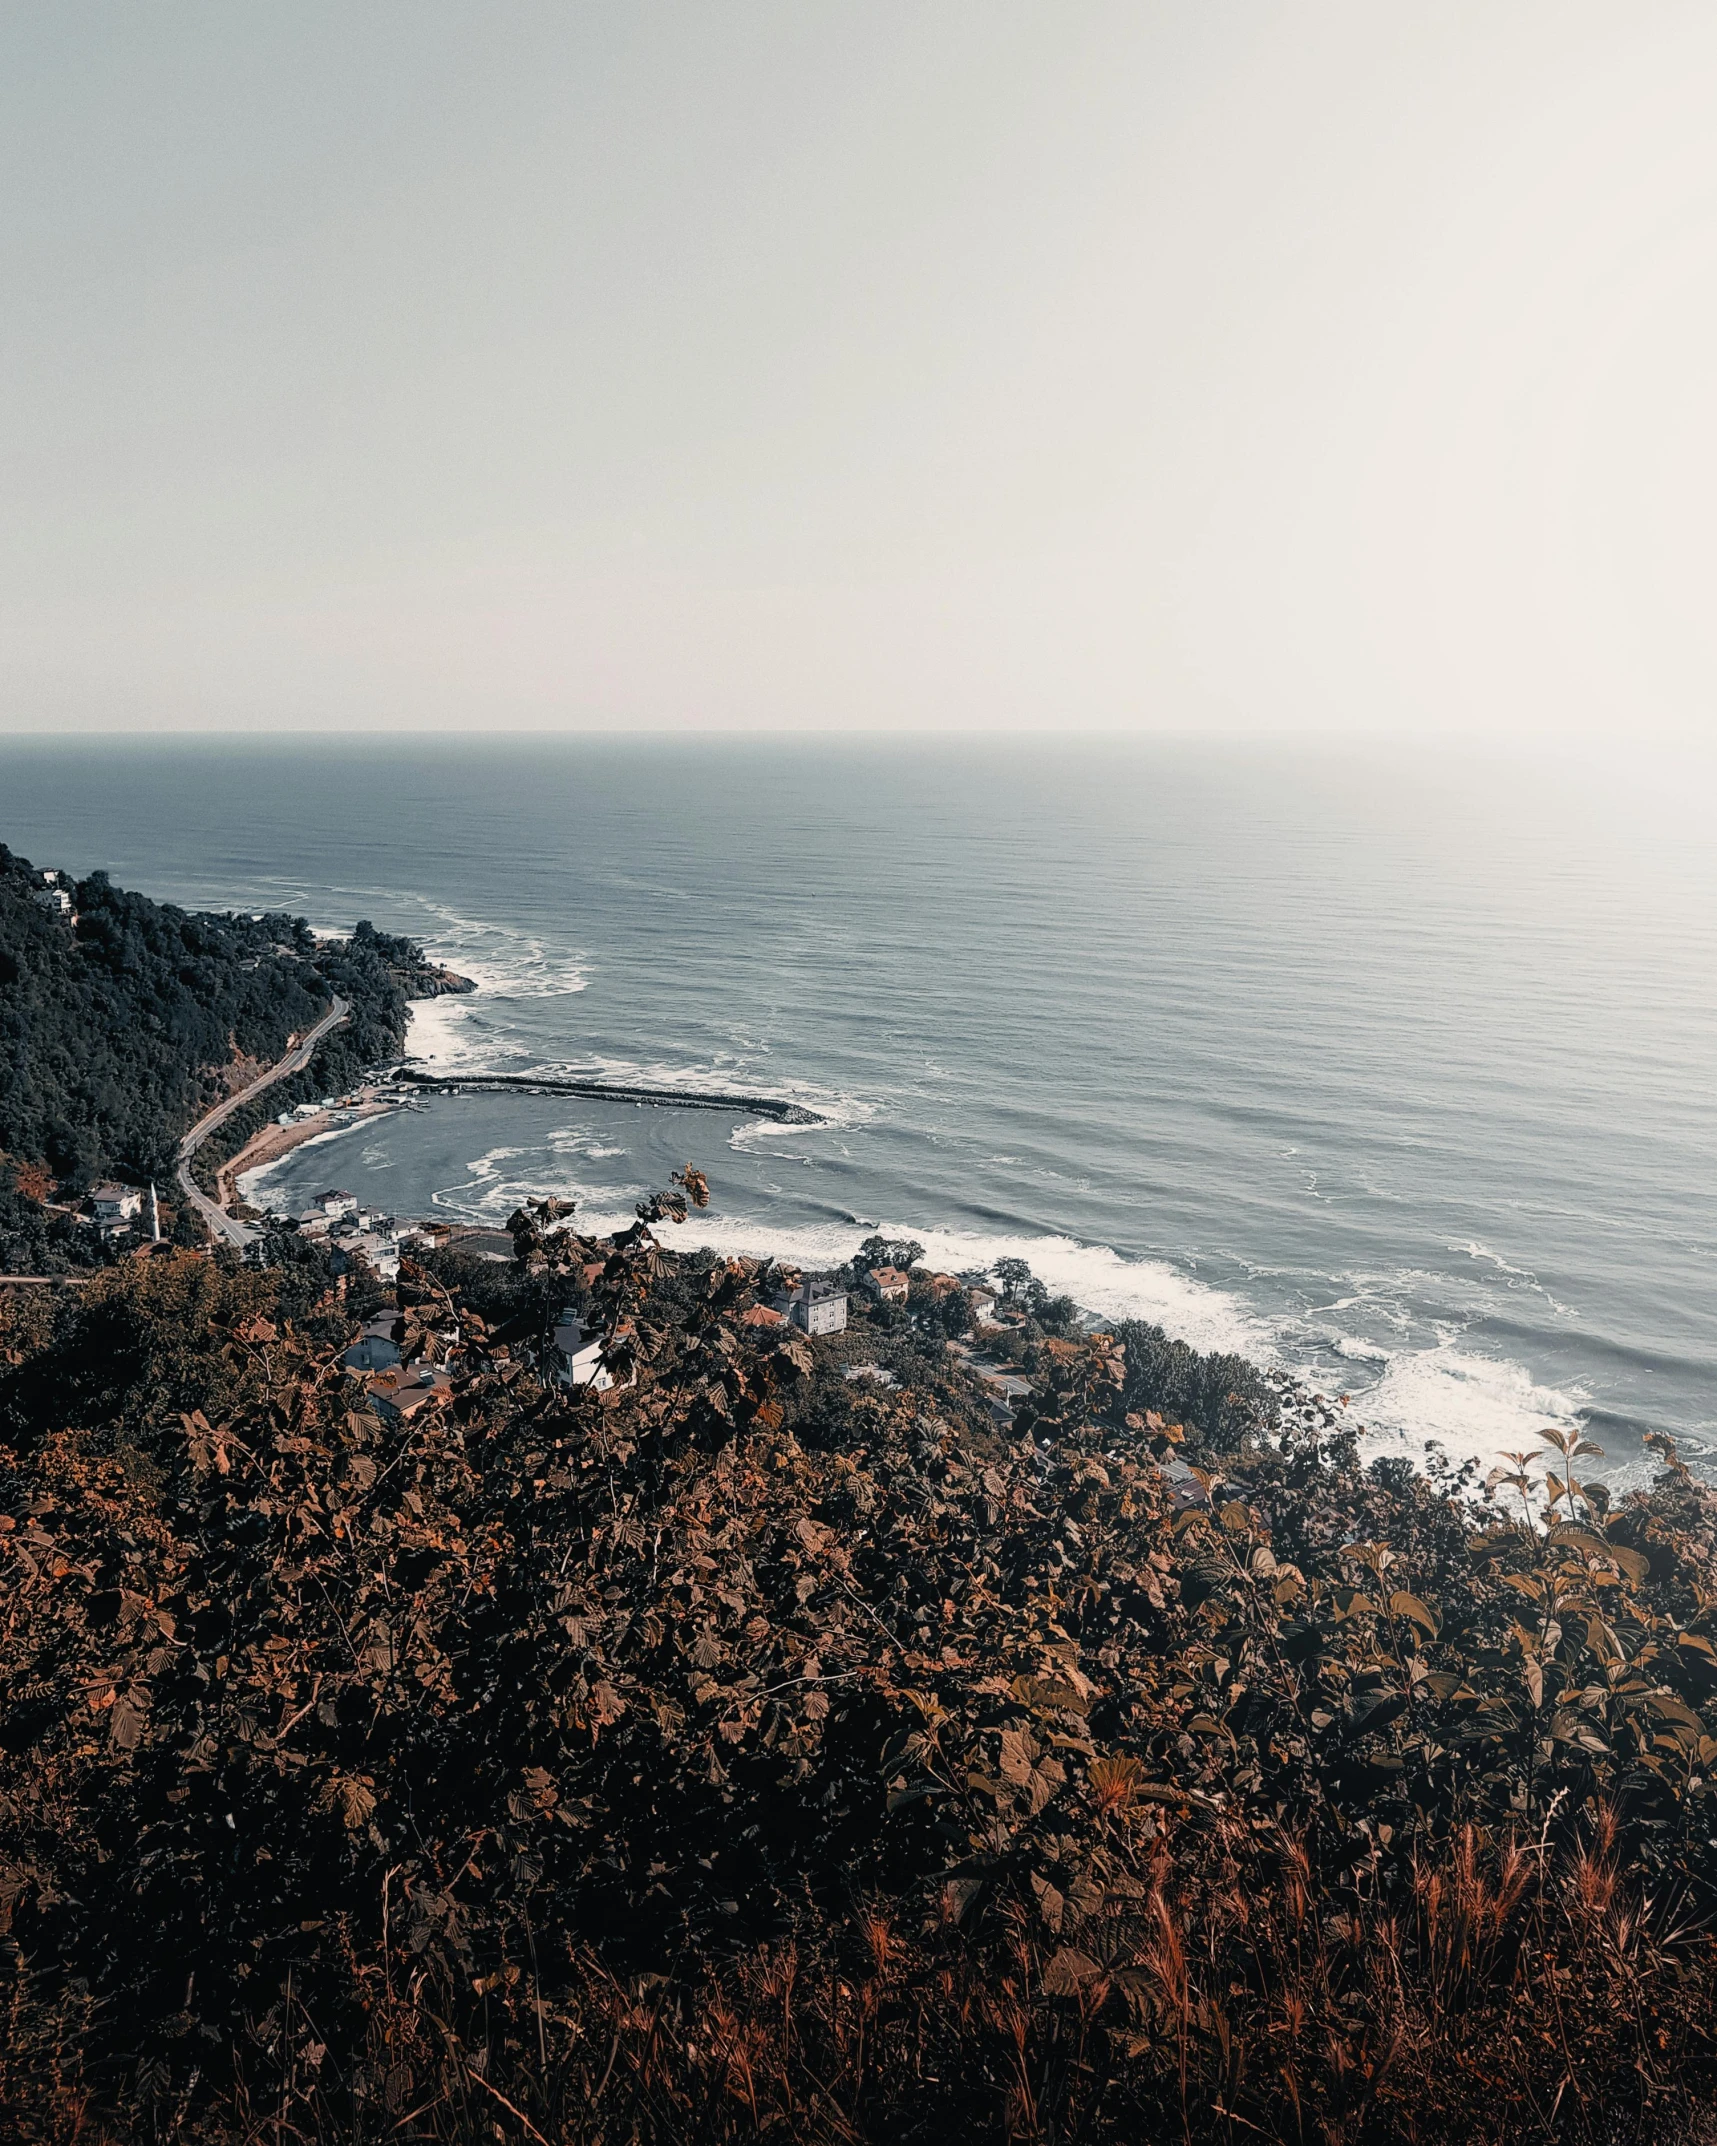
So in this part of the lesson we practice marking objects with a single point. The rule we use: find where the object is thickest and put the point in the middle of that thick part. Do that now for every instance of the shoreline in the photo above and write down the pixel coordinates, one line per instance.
(1384, 1431)
(272, 1143)
(1414, 1397)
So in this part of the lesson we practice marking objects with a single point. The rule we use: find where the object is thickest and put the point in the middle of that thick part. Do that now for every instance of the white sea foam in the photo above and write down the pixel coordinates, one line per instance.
(581, 1141)
(1483, 1253)
(1449, 1394)
(464, 1032)
(488, 1165)
(1471, 1405)
(1484, 1256)
(834, 1113)
(504, 959)
(1406, 1398)
(439, 1033)
(1359, 1352)
(489, 1194)
(1098, 1279)
(834, 1110)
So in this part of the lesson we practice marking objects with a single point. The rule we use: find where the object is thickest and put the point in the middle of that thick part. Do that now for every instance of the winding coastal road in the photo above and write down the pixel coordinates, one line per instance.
(220, 1224)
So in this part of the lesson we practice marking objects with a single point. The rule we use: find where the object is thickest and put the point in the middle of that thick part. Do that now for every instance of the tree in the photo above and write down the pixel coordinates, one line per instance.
(1014, 1275)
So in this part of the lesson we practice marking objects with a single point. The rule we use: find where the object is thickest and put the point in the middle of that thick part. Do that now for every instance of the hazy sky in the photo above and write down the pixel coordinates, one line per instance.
(1336, 364)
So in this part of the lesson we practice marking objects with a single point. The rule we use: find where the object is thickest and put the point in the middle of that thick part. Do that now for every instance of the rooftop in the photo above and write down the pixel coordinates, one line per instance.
(816, 1287)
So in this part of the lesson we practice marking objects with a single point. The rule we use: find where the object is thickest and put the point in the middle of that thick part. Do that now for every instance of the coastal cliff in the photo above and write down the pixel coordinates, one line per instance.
(425, 980)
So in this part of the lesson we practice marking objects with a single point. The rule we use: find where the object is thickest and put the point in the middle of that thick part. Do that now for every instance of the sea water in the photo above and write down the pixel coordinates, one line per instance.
(1391, 1067)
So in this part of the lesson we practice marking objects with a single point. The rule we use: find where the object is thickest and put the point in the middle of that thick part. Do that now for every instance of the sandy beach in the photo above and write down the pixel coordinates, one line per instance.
(273, 1141)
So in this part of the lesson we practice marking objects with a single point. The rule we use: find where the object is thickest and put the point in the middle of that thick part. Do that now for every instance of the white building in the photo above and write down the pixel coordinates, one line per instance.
(116, 1205)
(576, 1359)
(378, 1252)
(888, 1285)
(407, 1390)
(820, 1307)
(375, 1348)
(335, 1204)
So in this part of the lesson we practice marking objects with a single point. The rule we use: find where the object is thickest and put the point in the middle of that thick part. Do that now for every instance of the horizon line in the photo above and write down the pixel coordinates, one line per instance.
(1524, 740)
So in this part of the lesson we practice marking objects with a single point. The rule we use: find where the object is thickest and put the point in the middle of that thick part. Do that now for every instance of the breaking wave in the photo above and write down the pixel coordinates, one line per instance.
(1473, 1406)
(1405, 1397)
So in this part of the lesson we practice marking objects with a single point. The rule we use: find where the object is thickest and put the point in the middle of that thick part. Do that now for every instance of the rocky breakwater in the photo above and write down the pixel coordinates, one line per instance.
(760, 1106)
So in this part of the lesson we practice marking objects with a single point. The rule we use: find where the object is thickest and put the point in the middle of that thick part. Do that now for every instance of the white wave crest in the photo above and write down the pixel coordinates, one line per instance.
(1486, 1257)
(1471, 1405)
(439, 1033)
(1098, 1279)
(501, 958)
(833, 1109)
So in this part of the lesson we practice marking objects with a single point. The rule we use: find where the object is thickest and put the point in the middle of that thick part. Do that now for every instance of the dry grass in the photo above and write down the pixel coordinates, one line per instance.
(699, 1767)
(1510, 1993)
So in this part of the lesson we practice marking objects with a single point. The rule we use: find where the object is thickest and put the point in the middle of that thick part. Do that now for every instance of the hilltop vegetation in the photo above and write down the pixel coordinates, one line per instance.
(116, 1035)
(789, 1742)
(755, 1752)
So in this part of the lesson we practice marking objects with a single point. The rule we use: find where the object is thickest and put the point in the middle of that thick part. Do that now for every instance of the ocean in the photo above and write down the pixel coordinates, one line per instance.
(1391, 1067)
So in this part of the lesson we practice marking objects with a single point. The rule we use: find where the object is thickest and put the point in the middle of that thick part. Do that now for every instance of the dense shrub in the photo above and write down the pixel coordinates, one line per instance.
(1219, 1397)
(584, 1768)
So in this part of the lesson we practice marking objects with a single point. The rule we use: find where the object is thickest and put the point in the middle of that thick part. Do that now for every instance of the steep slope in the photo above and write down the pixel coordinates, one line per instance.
(750, 1751)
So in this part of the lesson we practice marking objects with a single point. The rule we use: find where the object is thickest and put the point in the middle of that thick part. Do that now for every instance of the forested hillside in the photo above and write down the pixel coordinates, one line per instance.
(114, 1033)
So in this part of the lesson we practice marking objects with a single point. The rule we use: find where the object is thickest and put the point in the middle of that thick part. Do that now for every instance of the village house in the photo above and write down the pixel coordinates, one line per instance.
(376, 1251)
(983, 1305)
(113, 1207)
(577, 1357)
(407, 1390)
(888, 1285)
(335, 1204)
(760, 1317)
(819, 1306)
(375, 1348)
(1004, 1389)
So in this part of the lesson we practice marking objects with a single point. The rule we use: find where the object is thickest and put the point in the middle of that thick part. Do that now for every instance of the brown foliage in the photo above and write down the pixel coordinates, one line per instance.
(657, 1765)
